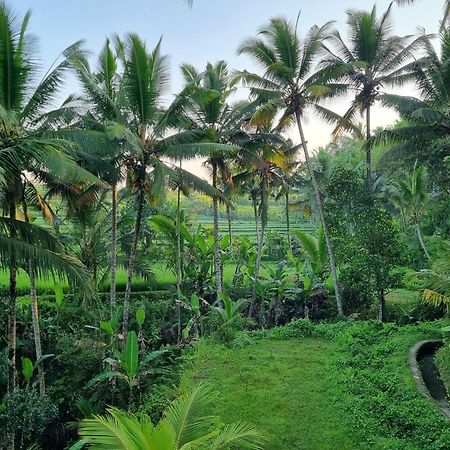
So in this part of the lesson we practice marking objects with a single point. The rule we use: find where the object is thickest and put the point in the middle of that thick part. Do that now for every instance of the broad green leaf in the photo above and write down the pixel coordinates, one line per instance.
(27, 369)
(107, 327)
(140, 315)
(131, 355)
(195, 303)
(59, 294)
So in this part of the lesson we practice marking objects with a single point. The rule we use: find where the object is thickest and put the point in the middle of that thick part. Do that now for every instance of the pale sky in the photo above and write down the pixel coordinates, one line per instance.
(212, 30)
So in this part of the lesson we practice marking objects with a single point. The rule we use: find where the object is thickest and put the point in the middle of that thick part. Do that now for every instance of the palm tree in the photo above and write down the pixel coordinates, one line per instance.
(184, 425)
(262, 157)
(373, 60)
(212, 119)
(289, 166)
(24, 148)
(102, 97)
(289, 84)
(423, 135)
(130, 111)
(414, 196)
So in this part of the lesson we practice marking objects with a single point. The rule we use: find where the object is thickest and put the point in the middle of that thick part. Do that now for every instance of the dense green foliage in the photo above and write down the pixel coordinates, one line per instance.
(338, 377)
(116, 262)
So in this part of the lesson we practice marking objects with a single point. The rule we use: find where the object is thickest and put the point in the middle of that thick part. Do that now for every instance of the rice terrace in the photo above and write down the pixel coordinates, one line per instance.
(225, 225)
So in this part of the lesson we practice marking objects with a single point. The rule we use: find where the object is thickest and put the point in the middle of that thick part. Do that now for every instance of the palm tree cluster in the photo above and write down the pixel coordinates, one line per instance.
(121, 138)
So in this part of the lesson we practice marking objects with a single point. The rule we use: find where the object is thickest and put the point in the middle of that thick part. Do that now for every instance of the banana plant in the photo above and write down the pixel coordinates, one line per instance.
(193, 325)
(111, 327)
(128, 367)
(230, 312)
(28, 368)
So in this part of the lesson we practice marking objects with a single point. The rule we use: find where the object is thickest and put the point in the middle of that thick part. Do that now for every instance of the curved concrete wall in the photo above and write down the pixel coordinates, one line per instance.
(413, 360)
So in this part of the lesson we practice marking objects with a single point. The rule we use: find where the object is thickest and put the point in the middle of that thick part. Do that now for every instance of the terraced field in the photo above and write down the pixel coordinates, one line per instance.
(246, 227)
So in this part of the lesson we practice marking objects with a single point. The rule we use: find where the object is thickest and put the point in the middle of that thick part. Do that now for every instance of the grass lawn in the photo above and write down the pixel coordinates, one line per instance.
(281, 387)
(402, 297)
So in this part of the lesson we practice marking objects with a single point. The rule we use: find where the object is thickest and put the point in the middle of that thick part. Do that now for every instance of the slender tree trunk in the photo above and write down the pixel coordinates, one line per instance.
(37, 331)
(217, 264)
(132, 261)
(382, 310)
(288, 222)
(255, 214)
(261, 235)
(12, 372)
(421, 241)
(179, 274)
(113, 249)
(368, 150)
(35, 315)
(321, 215)
(229, 223)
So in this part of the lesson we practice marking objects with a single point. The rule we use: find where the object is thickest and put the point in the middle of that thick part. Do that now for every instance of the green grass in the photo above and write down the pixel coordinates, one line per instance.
(443, 364)
(281, 387)
(163, 276)
(402, 297)
(328, 386)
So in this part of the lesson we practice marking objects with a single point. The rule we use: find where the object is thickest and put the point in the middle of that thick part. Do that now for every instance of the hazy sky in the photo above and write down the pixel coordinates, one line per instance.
(210, 31)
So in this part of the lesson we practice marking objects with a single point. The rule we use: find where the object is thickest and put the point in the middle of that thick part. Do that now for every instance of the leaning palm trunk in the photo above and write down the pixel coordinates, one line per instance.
(421, 240)
(179, 269)
(264, 200)
(35, 315)
(229, 224)
(288, 221)
(113, 249)
(36, 330)
(11, 383)
(132, 261)
(321, 215)
(255, 214)
(217, 264)
(368, 150)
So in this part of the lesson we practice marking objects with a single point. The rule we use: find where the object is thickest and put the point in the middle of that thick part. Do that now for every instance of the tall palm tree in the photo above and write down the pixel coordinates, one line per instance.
(372, 60)
(424, 133)
(129, 107)
(24, 148)
(290, 84)
(262, 157)
(213, 119)
(289, 166)
(102, 96)
(185, 425)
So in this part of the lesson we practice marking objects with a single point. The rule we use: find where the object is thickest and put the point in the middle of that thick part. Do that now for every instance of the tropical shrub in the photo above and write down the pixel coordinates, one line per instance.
(28, 419)
(185, 424)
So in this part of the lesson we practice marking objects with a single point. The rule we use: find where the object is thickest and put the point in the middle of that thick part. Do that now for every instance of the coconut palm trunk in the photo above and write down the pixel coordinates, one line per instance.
(288, 219)
(12, 326)
(421, 240)
(368, 150)
(113, 249)
(258, 262)
(132, 260)
(35, 314)
(321, 215)
(255, 214)
(36, 331)
(230, 231)
(179, 268)
(217, 264)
